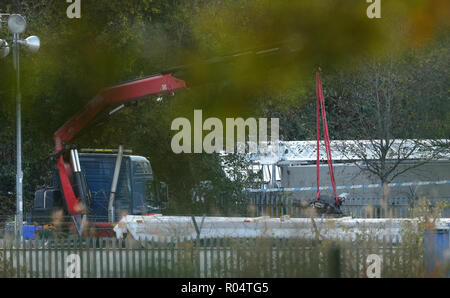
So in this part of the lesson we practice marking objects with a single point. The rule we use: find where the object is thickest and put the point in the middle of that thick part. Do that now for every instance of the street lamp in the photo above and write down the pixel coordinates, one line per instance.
(17, 25)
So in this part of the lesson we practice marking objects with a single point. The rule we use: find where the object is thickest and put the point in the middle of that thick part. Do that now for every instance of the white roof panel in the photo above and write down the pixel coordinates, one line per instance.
(346, 150)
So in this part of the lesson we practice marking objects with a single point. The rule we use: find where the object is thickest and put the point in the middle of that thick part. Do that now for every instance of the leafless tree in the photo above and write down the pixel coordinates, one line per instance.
(376, 110)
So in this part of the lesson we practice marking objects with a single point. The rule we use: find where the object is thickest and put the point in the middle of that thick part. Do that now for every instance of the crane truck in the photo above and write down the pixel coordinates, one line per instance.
(98, 187)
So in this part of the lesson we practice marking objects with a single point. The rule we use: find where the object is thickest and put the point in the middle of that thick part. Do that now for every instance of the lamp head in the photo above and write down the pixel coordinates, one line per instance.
(31, 43)
(16, 23)
(4, 48)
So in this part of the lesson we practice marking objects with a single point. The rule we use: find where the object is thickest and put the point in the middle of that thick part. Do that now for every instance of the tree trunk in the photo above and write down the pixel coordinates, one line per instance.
(384, 198)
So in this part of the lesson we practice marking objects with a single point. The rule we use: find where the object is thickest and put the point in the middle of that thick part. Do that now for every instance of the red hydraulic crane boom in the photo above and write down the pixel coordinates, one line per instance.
(156, 85)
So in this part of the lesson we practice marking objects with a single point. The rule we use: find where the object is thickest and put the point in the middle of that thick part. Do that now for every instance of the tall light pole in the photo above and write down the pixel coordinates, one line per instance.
(17, 25)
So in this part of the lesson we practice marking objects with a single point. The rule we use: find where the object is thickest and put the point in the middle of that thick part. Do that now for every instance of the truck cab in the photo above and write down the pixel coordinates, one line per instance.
(137, 191)
(136, 188)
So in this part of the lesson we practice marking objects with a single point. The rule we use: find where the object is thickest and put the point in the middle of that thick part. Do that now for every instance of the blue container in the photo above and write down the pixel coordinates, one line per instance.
(436, 245)
(29, 232)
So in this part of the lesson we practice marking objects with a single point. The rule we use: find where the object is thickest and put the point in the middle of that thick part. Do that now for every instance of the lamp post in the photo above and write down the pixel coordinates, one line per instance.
(17, 25)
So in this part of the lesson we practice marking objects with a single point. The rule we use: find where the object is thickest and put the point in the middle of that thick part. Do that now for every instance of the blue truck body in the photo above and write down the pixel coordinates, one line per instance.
(132, 189)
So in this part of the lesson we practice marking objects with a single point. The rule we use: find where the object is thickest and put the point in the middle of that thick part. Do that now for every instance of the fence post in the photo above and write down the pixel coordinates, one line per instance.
(134, 250)
(120, 258)
(24, 258)
(285, 251)
(197, 252)
(153, 258)
(96, 250)
(166, 257)
(36, 256)
(231, 244)
(140, 247)
(30, 267)
(146, 257)
(205, 254)
(277, 262)
(159, 258)
(58, 251)
(171, 272)
(17, 249)
(41, 249)
(334, 266)
(127, 259)
(51, 244)
(113, 254)
(101, 250)
(185, 249)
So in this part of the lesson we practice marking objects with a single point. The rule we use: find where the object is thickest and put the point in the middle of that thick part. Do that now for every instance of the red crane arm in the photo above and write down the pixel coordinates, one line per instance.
(152, 86)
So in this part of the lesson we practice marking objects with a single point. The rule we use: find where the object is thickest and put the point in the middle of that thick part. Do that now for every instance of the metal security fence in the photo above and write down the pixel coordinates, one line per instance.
(277, 204)
(218, 257)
